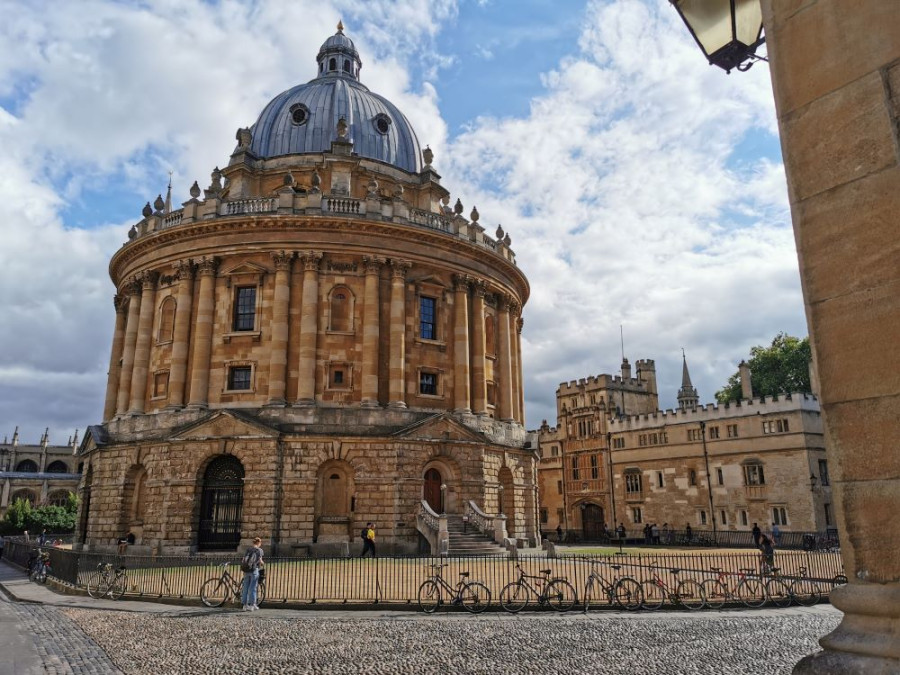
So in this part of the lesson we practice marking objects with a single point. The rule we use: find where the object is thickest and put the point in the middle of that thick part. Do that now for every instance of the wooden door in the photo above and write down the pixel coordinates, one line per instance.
(432, 490)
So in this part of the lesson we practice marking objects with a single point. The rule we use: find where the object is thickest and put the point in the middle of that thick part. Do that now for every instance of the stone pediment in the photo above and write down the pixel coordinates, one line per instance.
(94, 436)
(245, 267)
(224, 424)
(440, 427)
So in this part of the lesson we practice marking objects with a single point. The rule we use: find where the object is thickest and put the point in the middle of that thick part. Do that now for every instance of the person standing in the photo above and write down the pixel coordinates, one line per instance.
(250, 564)
(368, 540)
(776, 534)
(756, 532)
(688, 533)
(767, 556)
(620, 531)
(559, 534)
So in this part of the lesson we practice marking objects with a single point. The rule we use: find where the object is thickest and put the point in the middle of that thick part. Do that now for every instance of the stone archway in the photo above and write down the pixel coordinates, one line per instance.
(335, 502)
(442, 470)
(221, 504)
(431, 490)
(592, 522)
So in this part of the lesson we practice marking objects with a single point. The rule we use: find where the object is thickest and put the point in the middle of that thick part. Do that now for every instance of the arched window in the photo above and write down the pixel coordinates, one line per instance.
(25, 496)
(58, 467)
(347, 66)
(490, 341)
(27, 466)
(341, 309)
(221, 504)
(332, 64)
(58, 498)
(692, 477)
(166, 320)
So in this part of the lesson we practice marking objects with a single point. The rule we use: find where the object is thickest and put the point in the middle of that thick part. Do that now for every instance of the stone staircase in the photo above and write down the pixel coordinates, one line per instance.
(470, 542)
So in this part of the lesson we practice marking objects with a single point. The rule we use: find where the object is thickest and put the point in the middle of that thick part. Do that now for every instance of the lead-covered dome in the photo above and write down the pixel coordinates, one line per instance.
(304, 119)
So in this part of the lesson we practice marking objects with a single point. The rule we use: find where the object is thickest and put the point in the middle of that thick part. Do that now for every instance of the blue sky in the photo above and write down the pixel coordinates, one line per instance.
(640, 187)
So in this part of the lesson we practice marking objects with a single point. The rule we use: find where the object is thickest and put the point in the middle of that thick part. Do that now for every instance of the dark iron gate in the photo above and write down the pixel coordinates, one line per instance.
(220, 505)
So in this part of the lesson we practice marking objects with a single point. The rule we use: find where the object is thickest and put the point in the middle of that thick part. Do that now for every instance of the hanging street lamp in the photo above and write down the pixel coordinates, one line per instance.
(728, 31)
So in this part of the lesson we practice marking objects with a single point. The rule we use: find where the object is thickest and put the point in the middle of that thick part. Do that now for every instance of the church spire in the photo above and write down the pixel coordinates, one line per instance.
(168, 208)
(687, 395)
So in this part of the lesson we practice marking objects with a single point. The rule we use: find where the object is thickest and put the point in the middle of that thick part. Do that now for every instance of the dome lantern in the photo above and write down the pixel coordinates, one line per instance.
(338, 56)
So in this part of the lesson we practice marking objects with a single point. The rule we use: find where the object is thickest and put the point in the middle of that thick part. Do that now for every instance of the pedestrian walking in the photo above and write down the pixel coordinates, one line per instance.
(654, 533)
(42, 539)
(559, 534)
(647, 540)
(776, 534)
(767, 554)
(756, 532)
(250, 566)
(368, 537)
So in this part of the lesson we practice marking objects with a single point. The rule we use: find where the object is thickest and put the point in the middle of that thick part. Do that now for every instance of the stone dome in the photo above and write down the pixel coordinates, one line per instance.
(304, 119)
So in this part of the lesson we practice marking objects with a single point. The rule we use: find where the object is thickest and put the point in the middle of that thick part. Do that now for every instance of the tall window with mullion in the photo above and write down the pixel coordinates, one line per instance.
(428, 384)
(239, 378)
(427, 329)
(245, 308)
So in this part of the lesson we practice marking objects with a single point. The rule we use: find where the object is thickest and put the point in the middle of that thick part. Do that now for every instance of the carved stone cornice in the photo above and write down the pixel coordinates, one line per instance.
(184, 270)
(461, 283)
(206, 266)
(282, 260)
(399, 268)
(504, 302)
(132, 287)
(373, 264)
(311, 260)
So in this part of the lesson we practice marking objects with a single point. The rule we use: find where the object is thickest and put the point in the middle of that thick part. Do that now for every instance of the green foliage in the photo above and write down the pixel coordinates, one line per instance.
(21, 516)
(782, 367)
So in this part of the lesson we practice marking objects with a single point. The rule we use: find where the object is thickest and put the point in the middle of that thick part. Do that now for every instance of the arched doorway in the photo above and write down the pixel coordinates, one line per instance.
(592, 521)
(431, 490)
(335, 502)
(221, 502)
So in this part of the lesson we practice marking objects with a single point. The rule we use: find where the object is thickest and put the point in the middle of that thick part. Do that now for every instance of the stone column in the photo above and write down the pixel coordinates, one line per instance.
(279, 338)
(479, 386)
(514, 310)
(504, 363)
(520, 323)
(836, 76)
(133, 289)
(112, 377)
(184, 270)
(309, 329)
(371, 314)
(203, 332)
(142, 345)
(397, 370)
(461, 344)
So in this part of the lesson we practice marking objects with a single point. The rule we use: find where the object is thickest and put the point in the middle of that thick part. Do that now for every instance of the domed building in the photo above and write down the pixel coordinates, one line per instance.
(314, 341)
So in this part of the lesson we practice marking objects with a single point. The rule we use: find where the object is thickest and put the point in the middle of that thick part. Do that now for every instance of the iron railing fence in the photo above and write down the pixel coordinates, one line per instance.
(396, 580)
(806, 541)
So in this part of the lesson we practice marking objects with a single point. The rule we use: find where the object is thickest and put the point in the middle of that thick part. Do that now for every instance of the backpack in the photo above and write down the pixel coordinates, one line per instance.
(248, 562)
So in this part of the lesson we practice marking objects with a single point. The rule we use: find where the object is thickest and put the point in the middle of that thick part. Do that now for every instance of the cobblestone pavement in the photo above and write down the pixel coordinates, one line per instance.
(293, 642)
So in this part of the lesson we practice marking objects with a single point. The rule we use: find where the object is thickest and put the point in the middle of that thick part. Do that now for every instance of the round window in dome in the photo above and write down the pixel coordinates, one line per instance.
(299, 114)
(382, 123)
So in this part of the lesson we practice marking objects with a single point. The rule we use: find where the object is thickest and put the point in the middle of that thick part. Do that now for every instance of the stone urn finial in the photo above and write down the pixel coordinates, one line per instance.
(159, 204)
(215, 183)
(342, 129)
(316, 180)
(148, 210)
(499, 232)
(195, 190)
(507, 240)
(428, 155)
(372, 189)
(458, 207)
(289, 179)
(474, 216)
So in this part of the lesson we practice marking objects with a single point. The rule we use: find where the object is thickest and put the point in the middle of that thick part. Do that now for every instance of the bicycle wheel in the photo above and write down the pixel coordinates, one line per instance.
(652, 595)
(98, 585)
(805, 592)
(475, 597)
(778, 592)
(690, 594)
(514, 597)
(628, 594)
(561, 595)
(751, 592)
(214, 592)
(429, 596)
(119, 584)
(260, 593)
(715, 593)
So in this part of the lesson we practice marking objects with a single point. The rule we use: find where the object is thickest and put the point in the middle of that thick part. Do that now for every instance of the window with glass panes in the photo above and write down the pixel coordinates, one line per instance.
(239, 377)
(245, 308)
(428, 384)
(426, 318)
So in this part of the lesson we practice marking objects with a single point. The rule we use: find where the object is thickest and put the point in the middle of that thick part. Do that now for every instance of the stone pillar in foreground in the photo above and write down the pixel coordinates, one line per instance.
(203, 330)
(461, 344)
(279, 341)
(479, 386)
(836, 76)
(397, 370)
(112, 377)
(133, 289)
(309, 329)
(142, 344)
(370, 331)
(181, 333)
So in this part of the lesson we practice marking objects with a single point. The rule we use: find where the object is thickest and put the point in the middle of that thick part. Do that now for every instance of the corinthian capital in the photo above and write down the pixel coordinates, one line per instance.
(206, 267)
(461, 282)
(480, 287)
(132, 286)
(120, 302)
(372, 264)
(520, 323)
(184, 270)
(282, 259)
(311, 260)
(148, 279)
(399, 268)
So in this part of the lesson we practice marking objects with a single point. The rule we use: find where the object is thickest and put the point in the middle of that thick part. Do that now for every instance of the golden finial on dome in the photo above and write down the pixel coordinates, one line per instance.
(340, 26)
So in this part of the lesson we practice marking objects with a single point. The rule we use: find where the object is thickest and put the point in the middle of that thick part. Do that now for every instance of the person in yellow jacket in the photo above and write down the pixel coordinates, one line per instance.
(368, 537)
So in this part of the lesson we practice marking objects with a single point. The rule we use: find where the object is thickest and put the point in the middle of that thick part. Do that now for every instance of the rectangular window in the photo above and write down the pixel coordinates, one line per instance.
(775, 426)
(575, 473)
(828, 515)
(239, 378)
(160, 384)
(544, 516)
(779, 515)
(491, 393)
(692, 478)
(642, 440)
(720, 476)
(693, 434)
(595, 468)
(703, 517)
(753, 474)
(732, 431)
(426, 318)
(744, 518)
(618, 443)
(245, 308)
(714, 432)
(559, 487)
(659, 479)
(823, 472)
(664, 437)
(636, 515)
(428, 384)
(724, 517)
(633, 483)
(338, 377)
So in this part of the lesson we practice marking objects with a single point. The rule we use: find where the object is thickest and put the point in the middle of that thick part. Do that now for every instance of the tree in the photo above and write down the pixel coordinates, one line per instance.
(783, 367)
(21, 516)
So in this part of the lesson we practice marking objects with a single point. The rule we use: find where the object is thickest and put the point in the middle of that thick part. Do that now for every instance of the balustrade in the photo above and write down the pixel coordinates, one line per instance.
(173, 219)
(433, 220)
(241, 206)
(342, 205)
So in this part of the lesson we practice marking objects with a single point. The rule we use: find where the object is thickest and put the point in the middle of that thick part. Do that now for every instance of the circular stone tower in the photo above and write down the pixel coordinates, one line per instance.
(314, 341)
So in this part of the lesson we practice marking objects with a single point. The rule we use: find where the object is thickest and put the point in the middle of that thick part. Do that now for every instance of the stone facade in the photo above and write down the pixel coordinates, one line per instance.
(711, 467)
(330, 322)
(41, 474)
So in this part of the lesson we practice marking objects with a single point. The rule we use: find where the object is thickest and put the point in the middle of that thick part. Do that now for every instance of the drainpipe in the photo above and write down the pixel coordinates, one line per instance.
(612, 491)
(712, 511)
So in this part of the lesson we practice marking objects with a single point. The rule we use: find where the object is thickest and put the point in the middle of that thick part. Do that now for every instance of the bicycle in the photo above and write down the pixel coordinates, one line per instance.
(778, 591)
(749, 590)
(216, 591)
(804, 591)
(473, 596)
(556, 592)
(622, 591)
(107, 581)
(40, 567)
(688, 593)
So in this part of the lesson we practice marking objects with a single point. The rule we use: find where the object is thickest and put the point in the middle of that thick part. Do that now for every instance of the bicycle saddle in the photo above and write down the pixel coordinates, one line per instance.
(463, 574)
(716, 569)
(775, 569)
(547, 572)
(616, 567)
(675, 571)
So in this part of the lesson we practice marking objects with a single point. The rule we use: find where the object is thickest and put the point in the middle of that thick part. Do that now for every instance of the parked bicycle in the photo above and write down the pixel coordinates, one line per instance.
(556, 592)
(473, 596)
(778, 591)
(688, 593)
(39, 567)
(750, 589)
(108, 581)
(622, 591)
(216, 591)
(804, 590)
